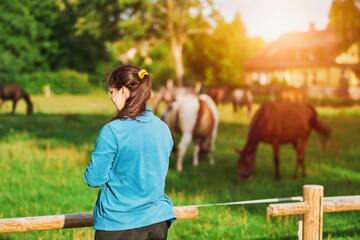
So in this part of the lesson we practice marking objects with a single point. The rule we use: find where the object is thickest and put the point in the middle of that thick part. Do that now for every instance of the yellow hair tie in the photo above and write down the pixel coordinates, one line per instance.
(142, 73)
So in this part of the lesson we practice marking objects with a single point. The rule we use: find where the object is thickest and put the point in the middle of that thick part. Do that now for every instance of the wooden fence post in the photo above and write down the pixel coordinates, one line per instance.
(313, 220)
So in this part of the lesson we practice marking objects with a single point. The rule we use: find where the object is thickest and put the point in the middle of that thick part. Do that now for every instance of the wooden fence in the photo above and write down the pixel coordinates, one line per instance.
(312, 209)
(310, 228)
(76, 220)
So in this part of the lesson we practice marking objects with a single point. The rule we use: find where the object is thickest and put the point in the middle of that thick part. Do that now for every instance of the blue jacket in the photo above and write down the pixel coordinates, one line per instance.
(130, 162)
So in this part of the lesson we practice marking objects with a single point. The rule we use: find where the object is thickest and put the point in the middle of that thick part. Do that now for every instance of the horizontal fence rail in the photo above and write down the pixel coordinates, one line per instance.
(76, 220)
(330, 204)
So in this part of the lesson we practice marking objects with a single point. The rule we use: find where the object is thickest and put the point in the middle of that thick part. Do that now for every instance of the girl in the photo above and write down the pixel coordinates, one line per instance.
(130, 163)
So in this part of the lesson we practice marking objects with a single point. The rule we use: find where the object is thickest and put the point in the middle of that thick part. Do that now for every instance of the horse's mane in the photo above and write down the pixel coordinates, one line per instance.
(255, 129)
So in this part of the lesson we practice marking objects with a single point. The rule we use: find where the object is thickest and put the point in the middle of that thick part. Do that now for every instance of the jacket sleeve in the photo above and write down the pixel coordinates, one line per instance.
(97, 172)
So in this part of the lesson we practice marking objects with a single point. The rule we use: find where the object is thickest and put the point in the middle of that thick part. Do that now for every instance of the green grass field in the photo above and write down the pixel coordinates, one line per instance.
(43, 157)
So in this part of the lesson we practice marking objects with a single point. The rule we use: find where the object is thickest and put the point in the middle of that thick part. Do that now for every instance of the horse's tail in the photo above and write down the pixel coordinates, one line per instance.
(316, 124)
(28, 101)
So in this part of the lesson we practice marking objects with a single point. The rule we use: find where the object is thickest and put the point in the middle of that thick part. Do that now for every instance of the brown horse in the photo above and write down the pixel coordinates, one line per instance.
(277, 124)
(239, 97)
(14, 92)
(218, 94)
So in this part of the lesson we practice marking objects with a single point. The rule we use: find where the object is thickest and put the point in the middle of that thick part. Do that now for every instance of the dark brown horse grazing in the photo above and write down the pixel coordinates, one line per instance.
(14, 92)
(277, 124)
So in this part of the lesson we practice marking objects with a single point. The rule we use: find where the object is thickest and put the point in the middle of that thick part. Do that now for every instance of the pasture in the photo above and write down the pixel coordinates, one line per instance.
(43, 157)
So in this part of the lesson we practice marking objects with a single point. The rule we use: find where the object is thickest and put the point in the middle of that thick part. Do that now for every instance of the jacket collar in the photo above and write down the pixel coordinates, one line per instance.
(147, 116)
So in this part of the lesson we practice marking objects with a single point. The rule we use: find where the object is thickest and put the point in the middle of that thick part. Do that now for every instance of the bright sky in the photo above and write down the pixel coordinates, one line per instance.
(269, 19)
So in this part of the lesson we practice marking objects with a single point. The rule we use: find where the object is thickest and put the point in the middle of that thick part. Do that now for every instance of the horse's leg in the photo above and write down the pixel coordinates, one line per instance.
(276, 148)
(212, 144)
(295, 146)
(212, 148)
(14, 106)
(181, 150)
(248, 104)
(197, 144)
(234, 105)
(301, 155)
(300, 147)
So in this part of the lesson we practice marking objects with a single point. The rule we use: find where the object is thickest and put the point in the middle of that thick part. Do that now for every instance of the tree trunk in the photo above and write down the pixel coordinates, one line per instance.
(176, 48)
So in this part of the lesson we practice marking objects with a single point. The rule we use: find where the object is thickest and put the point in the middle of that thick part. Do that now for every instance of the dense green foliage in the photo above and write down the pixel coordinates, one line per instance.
(25, 39)
(91, 37)
(42, 159)
(221, 66)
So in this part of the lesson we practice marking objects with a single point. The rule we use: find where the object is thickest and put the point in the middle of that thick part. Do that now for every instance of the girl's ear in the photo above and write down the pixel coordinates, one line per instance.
(125, 91)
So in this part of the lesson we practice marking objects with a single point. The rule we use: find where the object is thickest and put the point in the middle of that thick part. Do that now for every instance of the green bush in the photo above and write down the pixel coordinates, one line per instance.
(62, 82)
(34, 82)
(73, 82)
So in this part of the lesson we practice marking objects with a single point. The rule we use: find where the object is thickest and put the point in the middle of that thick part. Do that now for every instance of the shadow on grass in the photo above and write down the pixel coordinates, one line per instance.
(351, 233)
(66, 129)
(291, 237)
(4, 238)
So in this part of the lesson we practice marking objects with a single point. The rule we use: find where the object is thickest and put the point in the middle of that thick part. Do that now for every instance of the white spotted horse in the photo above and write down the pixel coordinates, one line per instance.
(242, 97)
(196, 118)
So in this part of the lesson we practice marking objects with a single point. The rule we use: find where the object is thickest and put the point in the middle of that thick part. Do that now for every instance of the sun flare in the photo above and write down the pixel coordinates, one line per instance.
(278, 23)
(271, 19)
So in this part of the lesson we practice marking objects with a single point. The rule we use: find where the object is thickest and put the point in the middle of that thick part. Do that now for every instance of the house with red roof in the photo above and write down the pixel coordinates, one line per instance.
(320, 62)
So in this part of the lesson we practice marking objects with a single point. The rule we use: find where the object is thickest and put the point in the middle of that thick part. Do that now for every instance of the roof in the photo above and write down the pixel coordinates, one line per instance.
(299, 49)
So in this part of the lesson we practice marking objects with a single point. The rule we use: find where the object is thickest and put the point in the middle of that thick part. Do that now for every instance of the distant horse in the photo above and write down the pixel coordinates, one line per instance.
(277, 124)
(218, 94)
(169, 93)
(242, 97)
(14, 92)
(196, 118)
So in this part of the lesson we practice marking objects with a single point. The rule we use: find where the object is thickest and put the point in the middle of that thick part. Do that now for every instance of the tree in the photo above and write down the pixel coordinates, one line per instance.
(344, 18)
(25, 37)
(83, 29)
(169, 21)
(139, 23)
(221, 56)
(179, 20)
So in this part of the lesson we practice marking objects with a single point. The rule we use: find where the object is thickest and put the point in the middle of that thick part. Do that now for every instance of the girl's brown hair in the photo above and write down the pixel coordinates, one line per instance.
(140, 90)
